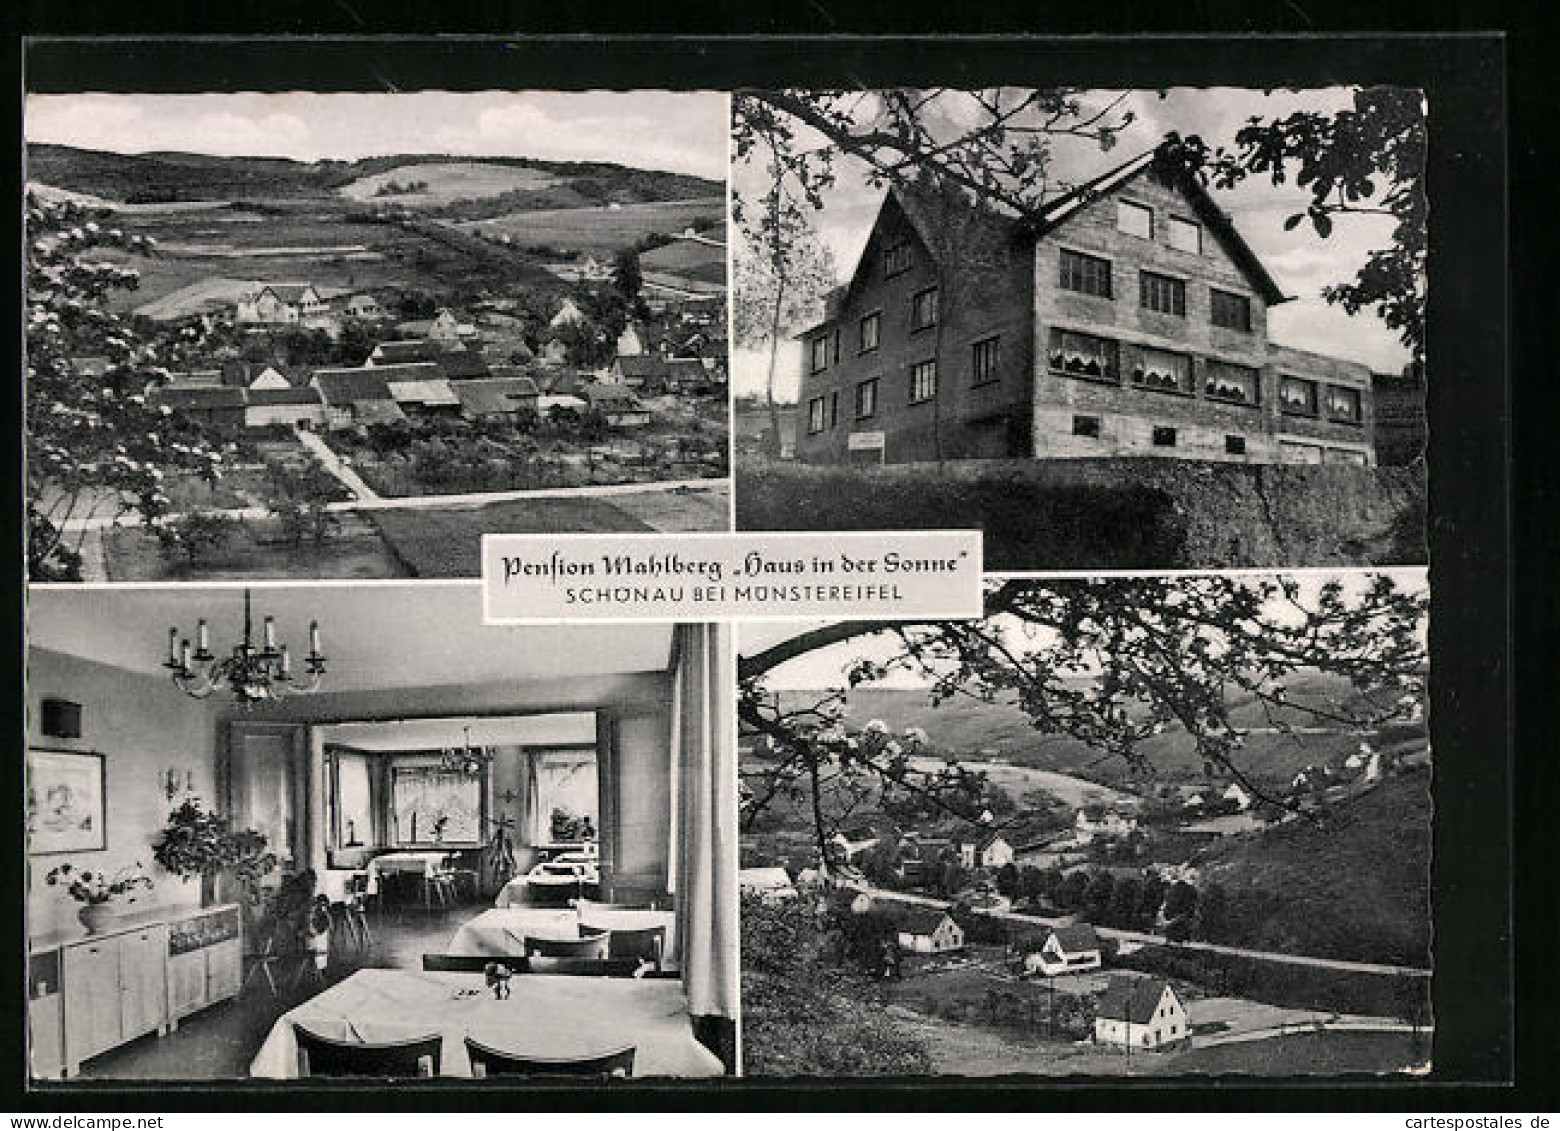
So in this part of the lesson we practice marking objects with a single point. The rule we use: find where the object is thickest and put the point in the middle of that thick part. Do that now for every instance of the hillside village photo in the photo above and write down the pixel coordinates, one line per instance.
(1127, 329)
(1136, 825)
(311, 356)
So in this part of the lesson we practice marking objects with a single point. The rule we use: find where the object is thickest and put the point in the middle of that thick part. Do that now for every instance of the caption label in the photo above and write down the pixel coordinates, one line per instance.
(843, 575)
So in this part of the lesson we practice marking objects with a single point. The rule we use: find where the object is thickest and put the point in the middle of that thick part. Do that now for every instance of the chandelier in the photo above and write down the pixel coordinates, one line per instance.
(466, 758)
(251, 673)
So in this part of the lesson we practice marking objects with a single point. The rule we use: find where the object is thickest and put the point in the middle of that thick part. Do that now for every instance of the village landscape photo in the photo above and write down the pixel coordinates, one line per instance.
(344, 335)
(1144, 826)
(1123, 329)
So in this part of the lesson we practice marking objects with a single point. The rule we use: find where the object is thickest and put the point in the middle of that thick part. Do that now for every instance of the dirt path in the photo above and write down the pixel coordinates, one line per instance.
(334, 464)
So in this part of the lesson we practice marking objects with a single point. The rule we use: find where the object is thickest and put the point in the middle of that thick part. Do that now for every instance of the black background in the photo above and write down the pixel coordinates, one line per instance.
(1492, 837)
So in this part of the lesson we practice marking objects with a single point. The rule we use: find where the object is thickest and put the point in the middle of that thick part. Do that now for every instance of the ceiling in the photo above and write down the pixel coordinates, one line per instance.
(376, 636)
(433, 734)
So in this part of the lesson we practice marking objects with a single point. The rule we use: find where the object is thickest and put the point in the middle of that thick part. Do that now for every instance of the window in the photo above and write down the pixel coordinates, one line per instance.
(1231, 311)
(1296, 396)
(563, 783)
(866, 398)
(871, 325)
(1084, 355)
(1134, 219)
(1164, 437)
(984, 362)
(923, 381)
(1185, 235)
(354, 808)
(820, 353)
(896, 258)
(1234, 445)
(1164, 371)
(834, 409)
(1162, 293)
(429, 805)
(1087, 426)
(815, 416)
(1344, 456)
(1086, 274)
(1343, 404)
(1224, 381)
(923, 309)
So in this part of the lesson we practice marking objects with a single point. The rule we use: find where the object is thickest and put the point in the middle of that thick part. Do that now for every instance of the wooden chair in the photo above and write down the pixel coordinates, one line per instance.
(325, 1056)
(487, 1061)
(586, 946)
(646, 943)
(351, 913)
(462, 879)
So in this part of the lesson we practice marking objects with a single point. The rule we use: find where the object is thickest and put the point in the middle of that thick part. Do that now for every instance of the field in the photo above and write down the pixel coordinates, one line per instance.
(1305, 1054)
(357, 552)
(599, 230)
(687, 259)
(446, 182)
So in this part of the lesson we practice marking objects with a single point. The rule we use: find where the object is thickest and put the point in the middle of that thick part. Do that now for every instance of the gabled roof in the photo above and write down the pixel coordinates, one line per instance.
(1075, 938)
(495, 395)
(1064, 207)
(306, 395)
(286, 292)
(348, 386)
(461, 365)
(423, 392)
(611, 398)
(1131, 1000)
(197, 397)
(377, 412)
(415, 349)
(920, 920)
(641, 365)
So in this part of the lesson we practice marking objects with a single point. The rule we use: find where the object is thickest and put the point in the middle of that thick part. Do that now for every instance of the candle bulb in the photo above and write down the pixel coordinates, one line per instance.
(202, 637)
(184, 655)
(270, 633)
(286, 661)
(314, 637)
(173, 645)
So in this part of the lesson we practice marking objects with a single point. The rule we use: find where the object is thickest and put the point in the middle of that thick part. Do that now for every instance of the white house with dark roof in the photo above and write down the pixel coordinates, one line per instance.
(928, 930)
(989, 851)
(1066, 950)
(282, 304)
(1141, 1013)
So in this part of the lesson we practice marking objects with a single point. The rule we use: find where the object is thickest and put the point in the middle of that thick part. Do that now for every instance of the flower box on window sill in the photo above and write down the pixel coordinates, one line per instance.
(1108, 377)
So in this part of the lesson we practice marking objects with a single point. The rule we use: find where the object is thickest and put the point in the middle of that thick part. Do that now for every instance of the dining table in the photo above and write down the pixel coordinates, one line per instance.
(545, 1016)
(500, 932)
(424, 864)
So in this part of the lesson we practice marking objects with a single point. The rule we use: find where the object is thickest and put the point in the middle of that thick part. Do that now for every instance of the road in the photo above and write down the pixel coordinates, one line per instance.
(331, 462)
(441, 502)
(1159, 940)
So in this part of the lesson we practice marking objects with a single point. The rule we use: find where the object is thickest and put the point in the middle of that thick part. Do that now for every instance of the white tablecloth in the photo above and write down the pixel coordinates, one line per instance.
(547, 1015)
(498, 932)
(519, 891)
(424, 864)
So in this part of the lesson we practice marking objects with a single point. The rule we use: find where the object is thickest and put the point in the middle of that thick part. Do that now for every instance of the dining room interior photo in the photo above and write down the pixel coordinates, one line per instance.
(306, 831)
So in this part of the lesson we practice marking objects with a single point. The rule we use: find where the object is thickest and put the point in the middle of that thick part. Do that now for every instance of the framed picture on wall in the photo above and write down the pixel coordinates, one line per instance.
(65, 811)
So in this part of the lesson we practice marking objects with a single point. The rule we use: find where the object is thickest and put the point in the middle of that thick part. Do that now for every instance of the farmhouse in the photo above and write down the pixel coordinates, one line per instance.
(365, 307)
(620, 407)
(1129, 319)
(215, 405)
(497, 398)
(640, 372)
(568, 313)
(926, 930)
(356, 396)
(1065, 951)
(991, 851)
(424, 396)
(1140, 1013)
(299, 408)
(1108, 824)
(443, 328)
(283, 304)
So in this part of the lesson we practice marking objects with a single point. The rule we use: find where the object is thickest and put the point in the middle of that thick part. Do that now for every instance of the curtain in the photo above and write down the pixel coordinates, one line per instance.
(705, 861)
(533, 814)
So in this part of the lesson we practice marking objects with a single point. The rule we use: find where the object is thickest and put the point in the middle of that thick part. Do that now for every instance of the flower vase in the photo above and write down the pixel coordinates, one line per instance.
(95, 916)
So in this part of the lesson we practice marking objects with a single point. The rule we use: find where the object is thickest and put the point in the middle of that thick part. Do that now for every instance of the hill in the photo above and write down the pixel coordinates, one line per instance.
(1355, 883)
(978, 732)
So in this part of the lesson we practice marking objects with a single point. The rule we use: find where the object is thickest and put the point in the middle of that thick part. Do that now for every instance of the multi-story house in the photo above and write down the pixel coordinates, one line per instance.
(284, 304)
(1128, 318)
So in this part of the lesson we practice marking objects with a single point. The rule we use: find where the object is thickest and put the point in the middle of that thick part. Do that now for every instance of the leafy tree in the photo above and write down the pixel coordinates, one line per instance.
(1097, 896)
(1180, 903)
(1070, 893)
(1367, 160)
(93, 442)
(1124, 901)
(1213, 913)
(1008, 880)
(195, 536)
(300, 500)
(626, 274)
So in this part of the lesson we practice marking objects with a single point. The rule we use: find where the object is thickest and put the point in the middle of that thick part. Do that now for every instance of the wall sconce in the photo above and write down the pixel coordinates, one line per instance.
(176, 781)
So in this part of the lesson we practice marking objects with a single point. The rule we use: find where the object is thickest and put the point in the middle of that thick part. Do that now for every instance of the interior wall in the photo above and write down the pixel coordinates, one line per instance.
(644, 805)
(143, 726)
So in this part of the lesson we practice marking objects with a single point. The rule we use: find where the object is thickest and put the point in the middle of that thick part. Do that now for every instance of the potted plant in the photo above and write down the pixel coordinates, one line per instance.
(97, 892)
(196, 842)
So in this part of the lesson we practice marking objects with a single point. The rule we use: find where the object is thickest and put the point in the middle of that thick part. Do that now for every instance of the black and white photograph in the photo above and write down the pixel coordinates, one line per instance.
(1180, 329)
(333, 335)
(1129, 826)
(347, 843)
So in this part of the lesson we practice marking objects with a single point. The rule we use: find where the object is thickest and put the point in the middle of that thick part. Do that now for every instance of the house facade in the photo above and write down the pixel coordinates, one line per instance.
(1066, 950)
(928, 931)
(1130, 319)
(1142, 1014)
(989, 852)
(283, 304)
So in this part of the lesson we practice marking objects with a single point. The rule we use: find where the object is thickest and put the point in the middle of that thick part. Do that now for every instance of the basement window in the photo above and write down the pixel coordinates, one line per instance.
(1164, 437)
(1234, 445)
(1088, 426)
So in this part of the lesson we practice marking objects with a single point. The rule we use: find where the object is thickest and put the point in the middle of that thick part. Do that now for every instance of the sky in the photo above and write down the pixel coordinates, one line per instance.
(826, 667)
(676, 132)
(1301, 261)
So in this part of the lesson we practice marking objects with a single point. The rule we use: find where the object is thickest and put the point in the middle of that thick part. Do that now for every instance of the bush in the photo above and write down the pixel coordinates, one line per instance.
(197, 535)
